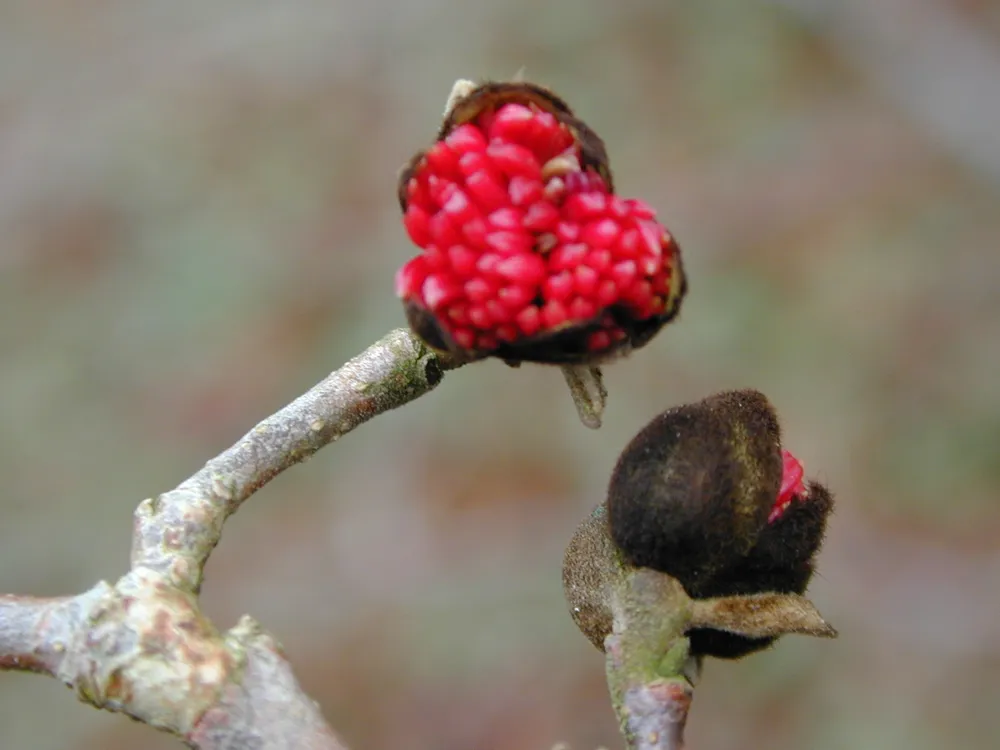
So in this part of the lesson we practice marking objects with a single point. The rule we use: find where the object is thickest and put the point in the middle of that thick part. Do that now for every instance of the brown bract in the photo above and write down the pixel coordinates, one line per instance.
(691, 492)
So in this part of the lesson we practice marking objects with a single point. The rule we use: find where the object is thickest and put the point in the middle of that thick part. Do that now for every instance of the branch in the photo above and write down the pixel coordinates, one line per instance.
(27, 640)
(176, 532)
(142, 647)
(586, 386)
(650, 670)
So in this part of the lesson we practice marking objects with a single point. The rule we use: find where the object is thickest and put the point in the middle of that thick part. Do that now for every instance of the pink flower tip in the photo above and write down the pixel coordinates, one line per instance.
(792, 485)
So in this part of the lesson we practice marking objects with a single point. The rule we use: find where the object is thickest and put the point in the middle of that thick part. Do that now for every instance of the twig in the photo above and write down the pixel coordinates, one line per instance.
(142, 646)
(651, 670)
(176, 532)
(586, 386)
(27, 642)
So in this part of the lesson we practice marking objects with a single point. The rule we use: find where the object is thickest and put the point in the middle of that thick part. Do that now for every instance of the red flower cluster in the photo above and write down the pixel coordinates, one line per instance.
(527, 252)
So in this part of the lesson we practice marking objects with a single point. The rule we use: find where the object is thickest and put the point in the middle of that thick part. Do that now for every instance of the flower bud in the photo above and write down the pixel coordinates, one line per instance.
(692, 491)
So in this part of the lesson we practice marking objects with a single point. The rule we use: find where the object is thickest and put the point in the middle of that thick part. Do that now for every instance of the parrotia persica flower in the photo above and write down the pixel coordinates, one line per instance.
(706, 494)
(526, 251)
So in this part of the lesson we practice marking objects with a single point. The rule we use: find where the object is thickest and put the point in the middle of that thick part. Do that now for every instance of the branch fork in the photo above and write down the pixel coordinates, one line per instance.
(143, 647)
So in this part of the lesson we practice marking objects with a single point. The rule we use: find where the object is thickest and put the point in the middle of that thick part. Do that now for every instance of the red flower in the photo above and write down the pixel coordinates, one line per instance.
(527, 253)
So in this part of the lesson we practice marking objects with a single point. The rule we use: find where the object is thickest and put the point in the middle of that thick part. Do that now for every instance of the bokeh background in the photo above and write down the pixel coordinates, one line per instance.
(198, 222)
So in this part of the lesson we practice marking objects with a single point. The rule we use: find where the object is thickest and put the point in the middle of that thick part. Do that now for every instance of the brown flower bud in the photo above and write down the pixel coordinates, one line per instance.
(693, 489)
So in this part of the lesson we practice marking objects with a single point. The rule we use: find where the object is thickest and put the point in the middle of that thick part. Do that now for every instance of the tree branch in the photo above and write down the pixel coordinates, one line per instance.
(176, 532)
(27, 642)
(649, 668)
(142, 646)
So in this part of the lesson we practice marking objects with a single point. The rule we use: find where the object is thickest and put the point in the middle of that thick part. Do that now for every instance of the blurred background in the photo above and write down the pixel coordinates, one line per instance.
(198, 222)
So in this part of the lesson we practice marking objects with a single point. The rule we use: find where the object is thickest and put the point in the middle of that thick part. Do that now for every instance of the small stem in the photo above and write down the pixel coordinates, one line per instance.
(586, 385)
(176, 532)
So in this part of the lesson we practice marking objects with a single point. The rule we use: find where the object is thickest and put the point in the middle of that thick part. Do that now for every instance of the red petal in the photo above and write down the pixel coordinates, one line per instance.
(524, 190)
(486, 190)
(628, 243)
(525, 269)
(410, 277)
(624, 273)
(464, 337)
(435, 259)
(582, 309)
(498, 313)
(585, 281)
(640, 298)
(473, 162)
(791, 479)
(598, 341)
(512, 122)
(479, 290)
(567, 257)
(443, 231)
(487, 263)
(583, 206)
(618, 208)
(607, 293)
(512, 159)
(462, 260)
(480, 318)
(458, 206)
(507, 332)
(474, 233)
(651, 234)
(553, 314)
(417, 224)
(599, 260)
(442, 161)
(529, 320)
(466, 138)
(541, 217)
(515, 297)
(459, 314)
(510, 243)
(506, 218)
(438, 290)
(568, 231)
(558, 287)
(601, 233)
(640, 209)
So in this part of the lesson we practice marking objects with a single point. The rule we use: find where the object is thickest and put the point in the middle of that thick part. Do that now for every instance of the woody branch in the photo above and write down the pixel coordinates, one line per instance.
(142, 645)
